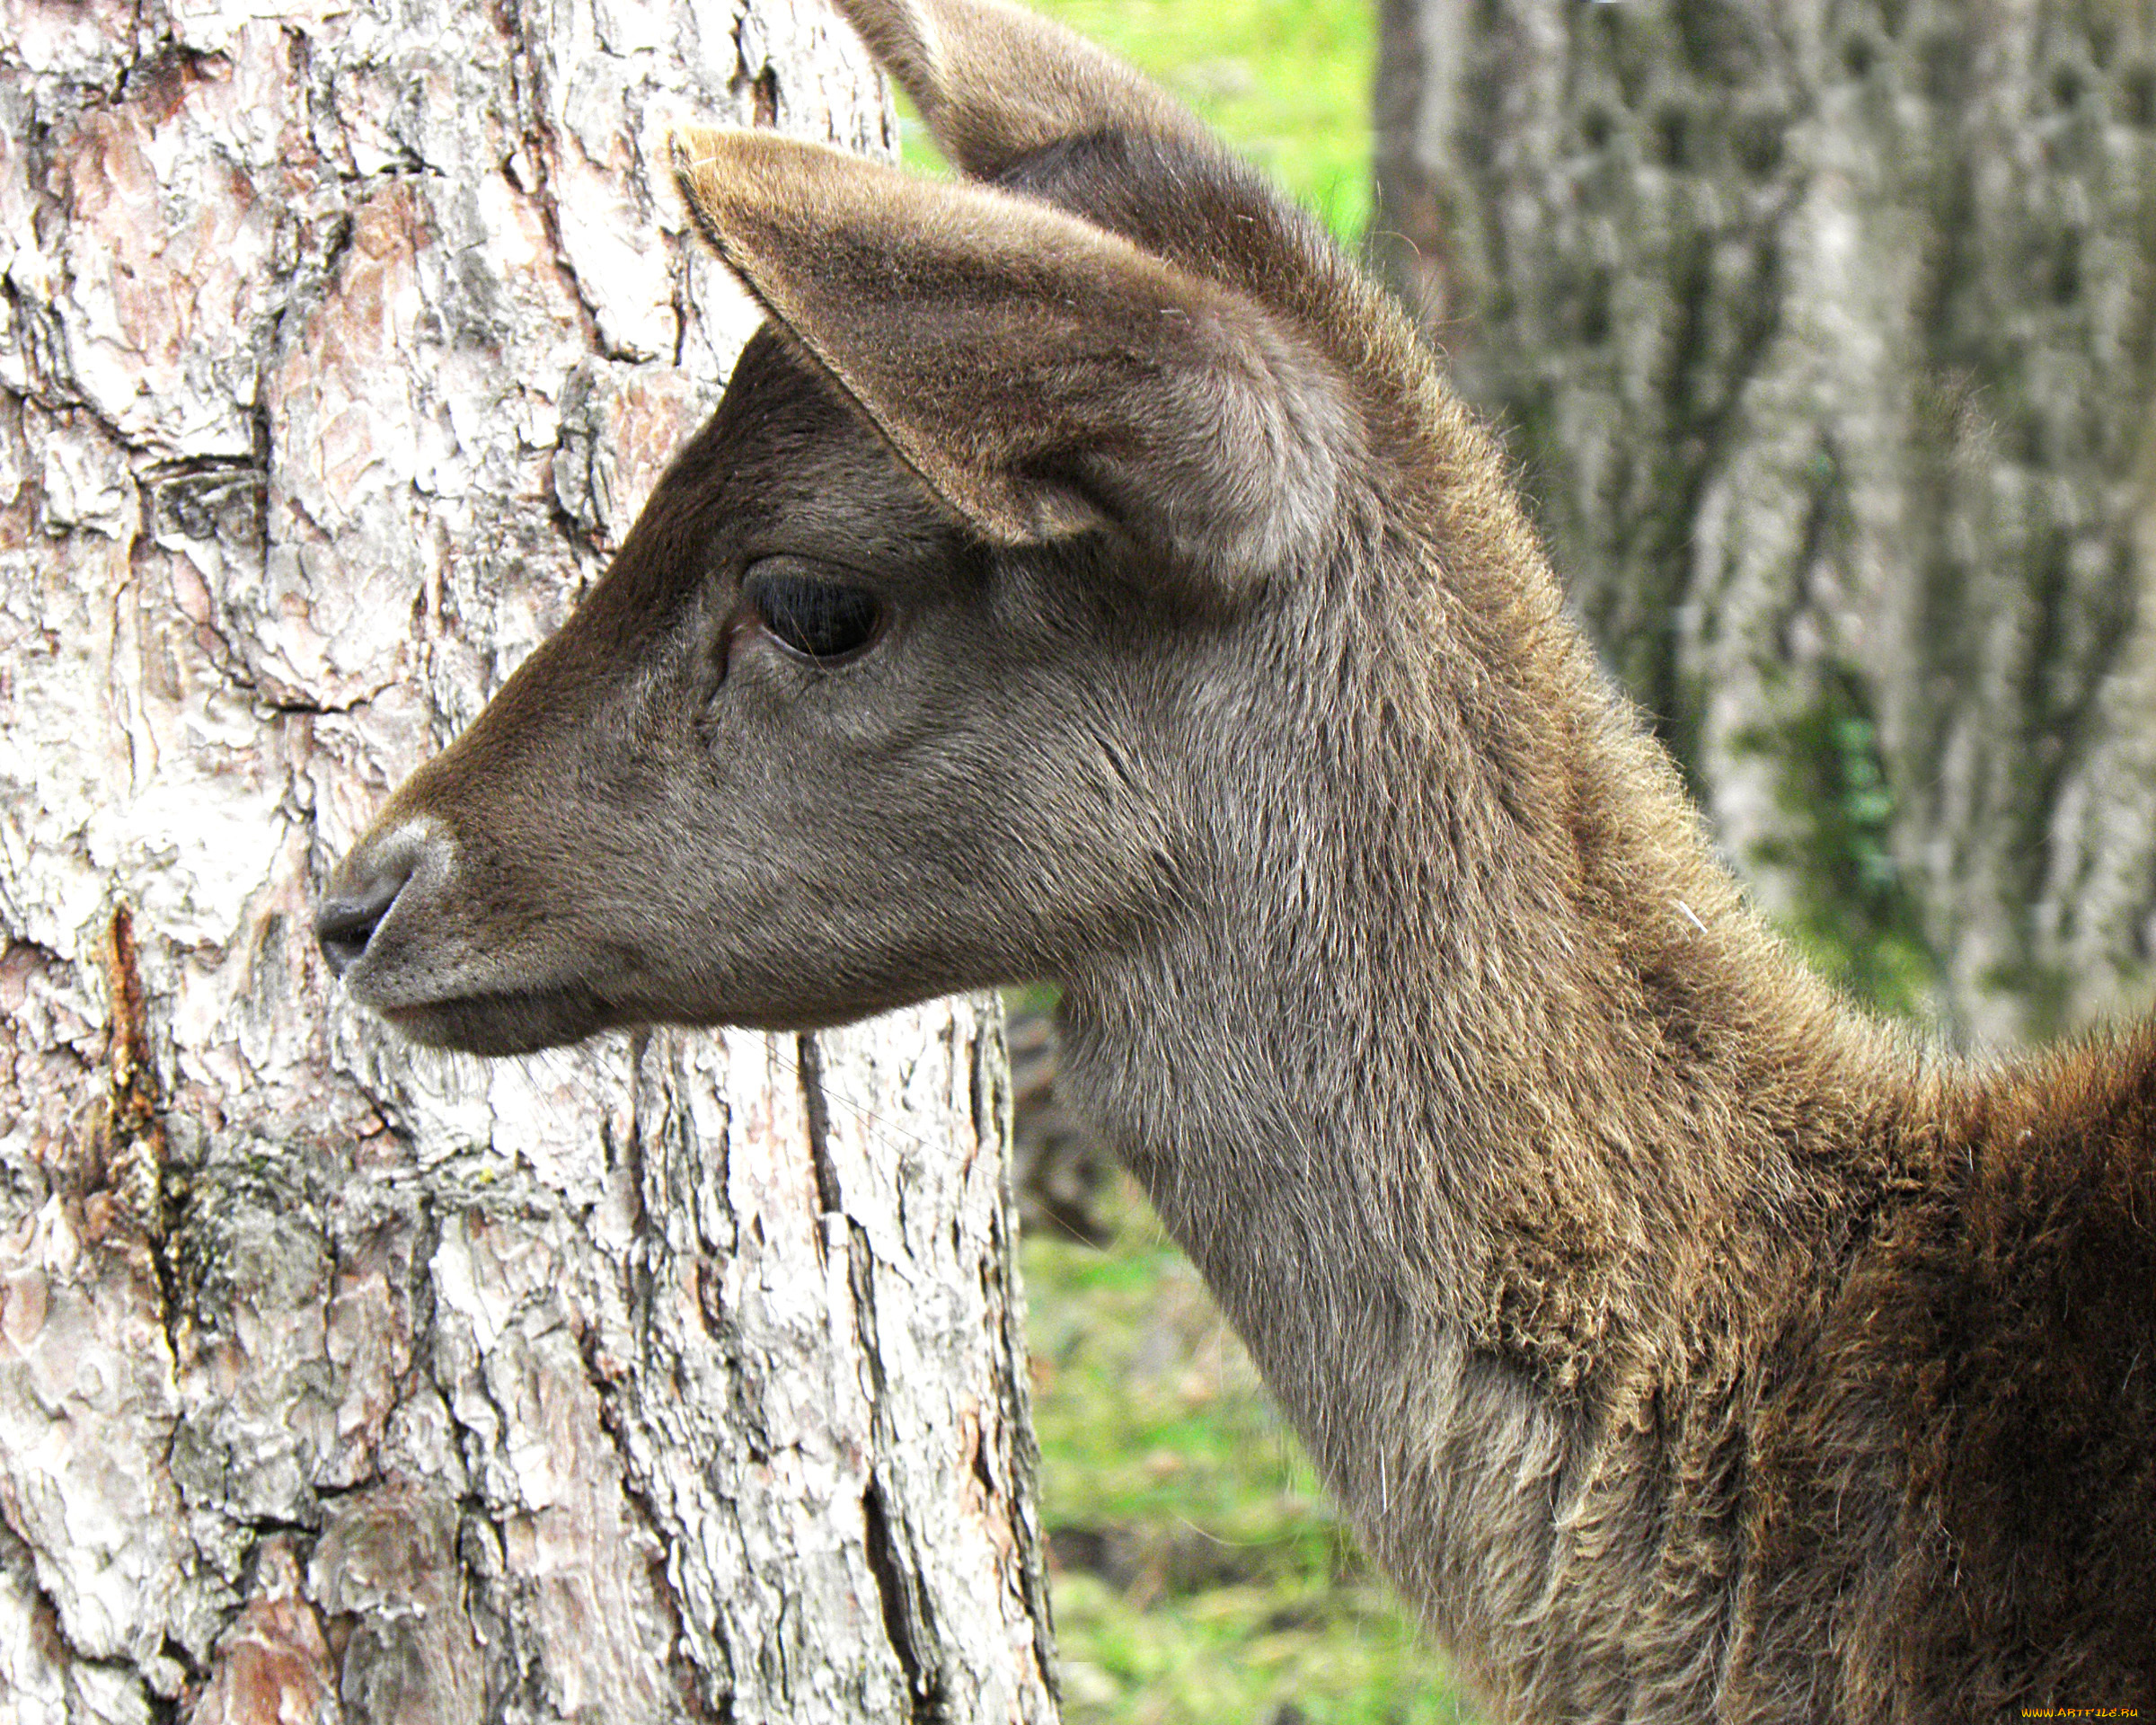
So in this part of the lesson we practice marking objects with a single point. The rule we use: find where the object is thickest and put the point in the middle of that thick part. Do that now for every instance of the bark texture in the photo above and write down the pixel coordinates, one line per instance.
(675, 1376)
(1823, 329)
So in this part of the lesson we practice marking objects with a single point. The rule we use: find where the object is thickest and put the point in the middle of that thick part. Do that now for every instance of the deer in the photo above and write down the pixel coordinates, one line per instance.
(1088, 576)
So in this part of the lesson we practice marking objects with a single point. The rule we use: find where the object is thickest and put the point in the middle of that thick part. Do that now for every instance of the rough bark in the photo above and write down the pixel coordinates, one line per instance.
(1823, 329)
(675, 1376)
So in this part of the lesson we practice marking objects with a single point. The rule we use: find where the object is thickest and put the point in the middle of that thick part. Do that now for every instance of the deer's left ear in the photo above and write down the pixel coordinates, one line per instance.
(1042, 375)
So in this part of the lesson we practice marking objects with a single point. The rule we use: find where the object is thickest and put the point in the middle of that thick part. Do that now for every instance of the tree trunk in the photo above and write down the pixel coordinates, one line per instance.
(675, 1376)
(1823, 329)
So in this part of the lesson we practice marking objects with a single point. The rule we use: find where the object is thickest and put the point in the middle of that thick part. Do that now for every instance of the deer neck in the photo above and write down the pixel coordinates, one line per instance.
(1487, 1108)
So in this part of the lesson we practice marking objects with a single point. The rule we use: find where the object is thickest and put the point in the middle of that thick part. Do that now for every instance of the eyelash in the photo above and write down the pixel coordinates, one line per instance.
(822, 622)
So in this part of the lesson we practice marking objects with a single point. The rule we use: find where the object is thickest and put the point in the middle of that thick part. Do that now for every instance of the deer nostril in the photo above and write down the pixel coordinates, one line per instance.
(346, 921)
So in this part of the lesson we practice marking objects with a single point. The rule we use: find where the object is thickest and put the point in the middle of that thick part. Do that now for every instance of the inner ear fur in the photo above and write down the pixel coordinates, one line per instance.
(1042, 375)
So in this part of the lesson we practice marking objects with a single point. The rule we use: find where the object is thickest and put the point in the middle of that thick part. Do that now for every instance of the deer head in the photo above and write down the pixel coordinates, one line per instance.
(902, 682)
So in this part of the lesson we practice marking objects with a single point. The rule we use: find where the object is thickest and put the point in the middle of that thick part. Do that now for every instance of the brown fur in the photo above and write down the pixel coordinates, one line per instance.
(1686, 1345)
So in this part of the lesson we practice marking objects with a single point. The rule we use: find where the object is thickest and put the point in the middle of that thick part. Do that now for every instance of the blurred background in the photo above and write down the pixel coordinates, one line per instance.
(1819, 334)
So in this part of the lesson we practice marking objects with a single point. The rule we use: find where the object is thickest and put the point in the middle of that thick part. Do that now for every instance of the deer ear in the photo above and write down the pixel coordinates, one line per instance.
(996, 83)
(1042, 375)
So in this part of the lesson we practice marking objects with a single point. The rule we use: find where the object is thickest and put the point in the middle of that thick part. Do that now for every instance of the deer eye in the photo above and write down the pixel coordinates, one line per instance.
(817, 619)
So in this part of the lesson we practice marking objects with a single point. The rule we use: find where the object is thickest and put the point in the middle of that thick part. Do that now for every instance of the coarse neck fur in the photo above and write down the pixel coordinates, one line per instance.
(1510, 1140)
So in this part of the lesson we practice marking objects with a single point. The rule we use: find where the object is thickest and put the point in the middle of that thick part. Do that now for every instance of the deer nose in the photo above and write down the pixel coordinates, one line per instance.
(353, 907)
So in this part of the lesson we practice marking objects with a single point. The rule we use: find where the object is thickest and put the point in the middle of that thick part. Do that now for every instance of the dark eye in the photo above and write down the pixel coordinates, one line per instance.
(817, 619)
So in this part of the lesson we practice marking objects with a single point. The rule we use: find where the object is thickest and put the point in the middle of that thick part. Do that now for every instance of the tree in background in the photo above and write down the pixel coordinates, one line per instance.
(337, 1380)
(1822, 331)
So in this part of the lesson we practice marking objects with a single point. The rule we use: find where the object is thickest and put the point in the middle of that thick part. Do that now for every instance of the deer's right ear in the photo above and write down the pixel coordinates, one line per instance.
(1042, 375)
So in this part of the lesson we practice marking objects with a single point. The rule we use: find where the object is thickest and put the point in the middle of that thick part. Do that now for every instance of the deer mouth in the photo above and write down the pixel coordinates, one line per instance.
(505, 1021)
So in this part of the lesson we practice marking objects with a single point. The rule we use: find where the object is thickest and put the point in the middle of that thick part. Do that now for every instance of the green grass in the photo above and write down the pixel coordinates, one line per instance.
(1199, 1577)
(1286, 83)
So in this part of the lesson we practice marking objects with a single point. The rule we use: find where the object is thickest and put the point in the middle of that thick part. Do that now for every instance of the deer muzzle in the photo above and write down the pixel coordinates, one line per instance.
(366, 887)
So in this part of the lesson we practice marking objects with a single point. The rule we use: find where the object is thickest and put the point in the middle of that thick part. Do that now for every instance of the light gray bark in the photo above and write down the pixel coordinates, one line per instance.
(1823, 329)
(675, 1376)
